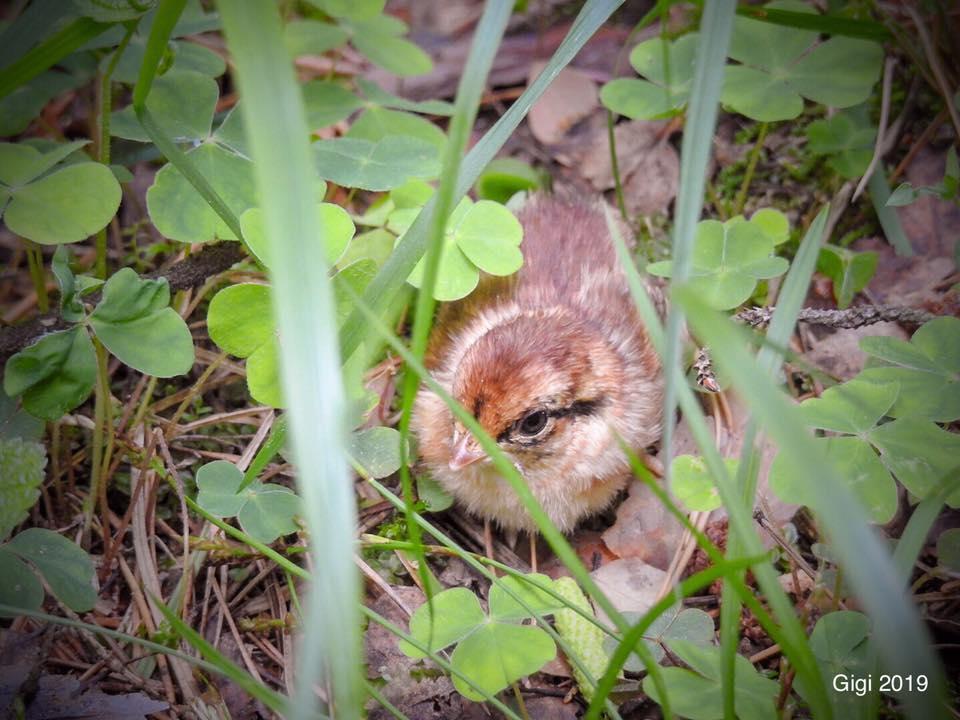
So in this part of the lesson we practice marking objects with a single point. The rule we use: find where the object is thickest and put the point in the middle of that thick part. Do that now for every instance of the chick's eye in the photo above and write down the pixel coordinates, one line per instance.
(533, 424)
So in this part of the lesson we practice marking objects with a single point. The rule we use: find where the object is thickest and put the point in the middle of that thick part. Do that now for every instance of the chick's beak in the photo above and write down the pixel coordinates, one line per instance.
(465, 452)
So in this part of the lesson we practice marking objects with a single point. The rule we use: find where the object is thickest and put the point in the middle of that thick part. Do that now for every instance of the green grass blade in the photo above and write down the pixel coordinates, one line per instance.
(382, 290)
(792, 636)
(486, 40)
(888, 217)
(165, 19)
(715, 29)
(865, 561)
(829, 24)
(49, 53)
(304, 311)
(33, 24)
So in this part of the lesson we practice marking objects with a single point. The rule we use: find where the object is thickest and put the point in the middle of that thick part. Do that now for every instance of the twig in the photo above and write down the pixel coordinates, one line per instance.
(935, 66)
(878, 147)
(853, 317)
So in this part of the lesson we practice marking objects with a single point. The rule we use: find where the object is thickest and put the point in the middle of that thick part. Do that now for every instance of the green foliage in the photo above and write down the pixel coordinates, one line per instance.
(339, 231)
(778, 67)
(376, 165)
(948, 550)
(479, 236)
(918, 452)
(730, 258)
(692, 485)
(926, 368)
(840, 642)
(54, 375)
(688, 624)
(847, 139)
(21, 474)
(850, 271)
(946, 189)
(65, 568)
(379, 38)
(698, 694)
(376, 450)
(781, 65)
(265, 511)
(133, 320)
(668, 67)
(505, 177)
(56, 196)
(492, 650)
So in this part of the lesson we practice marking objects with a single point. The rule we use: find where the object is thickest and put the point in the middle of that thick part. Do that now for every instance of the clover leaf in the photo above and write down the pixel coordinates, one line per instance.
(920, 453)
(850, 271)
(948, 550)
(21, 466)
(377, 123)
(379, 39)
(927, 369)
(376, 450)
(730, 258)
(264, 511)
(135, 322)
(853, 408)
(63, 565)
(678, 623)
(350, 9)
(54, 375)
(376, 165)
(184, 57)
(312, 37)
(668, 67)
(691, 483)
(504, 177)
(240, 321)
(51, 202)
(338, 230)
(840, 643)
(847, 138)
(493, 651)
(698, 693)
(479, 236)
(182, 104)
(327, 102)
(782, 65)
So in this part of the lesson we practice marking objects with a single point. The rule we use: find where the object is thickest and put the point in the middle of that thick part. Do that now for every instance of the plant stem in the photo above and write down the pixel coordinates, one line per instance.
(520, 704)
(104, 105)
(751, 167)
(35, 264)
(101, 412)
(615, 168)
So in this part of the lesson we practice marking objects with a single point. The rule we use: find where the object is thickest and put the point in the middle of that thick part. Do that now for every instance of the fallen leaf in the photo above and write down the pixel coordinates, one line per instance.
(569, 98)
(644, 529)
(60, 697)
(838, 353)
(630, 584)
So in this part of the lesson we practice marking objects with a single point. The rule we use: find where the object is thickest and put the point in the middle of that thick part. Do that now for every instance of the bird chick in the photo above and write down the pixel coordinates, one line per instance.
(554, 363)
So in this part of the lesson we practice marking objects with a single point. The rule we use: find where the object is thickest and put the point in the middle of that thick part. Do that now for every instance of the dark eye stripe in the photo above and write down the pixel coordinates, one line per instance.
(577, 408)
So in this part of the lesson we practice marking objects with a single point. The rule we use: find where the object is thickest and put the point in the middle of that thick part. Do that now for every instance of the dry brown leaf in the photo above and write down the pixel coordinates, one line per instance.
(839, 353)
(644, 529)
(569, 98)
(630, 584)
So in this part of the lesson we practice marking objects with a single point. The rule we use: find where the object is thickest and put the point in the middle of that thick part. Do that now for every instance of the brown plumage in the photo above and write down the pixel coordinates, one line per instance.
(553, 362)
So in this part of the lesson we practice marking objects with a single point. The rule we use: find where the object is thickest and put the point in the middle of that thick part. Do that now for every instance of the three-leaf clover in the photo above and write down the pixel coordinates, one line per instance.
(57, 196)
(493, 650)
(668, 67)
(479, 236)
(265, 511)
(698, 693)
(730, 258)
(133, 320)
(914, 449)
(678, 623)
(847, 138)
(927, 369)
(782, 65)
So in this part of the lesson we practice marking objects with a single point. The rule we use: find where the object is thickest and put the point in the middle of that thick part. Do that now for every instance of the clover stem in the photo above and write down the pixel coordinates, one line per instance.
(751, 166)
(35, 265)
(104, 102)
(101, 412)
(521, 706)
(615, 168)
